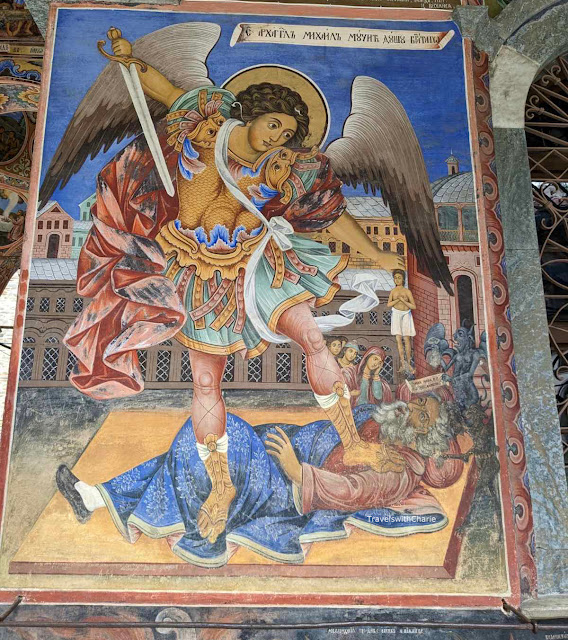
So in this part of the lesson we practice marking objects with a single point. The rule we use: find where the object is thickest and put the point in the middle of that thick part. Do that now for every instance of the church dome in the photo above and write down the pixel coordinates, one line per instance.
(454, 188)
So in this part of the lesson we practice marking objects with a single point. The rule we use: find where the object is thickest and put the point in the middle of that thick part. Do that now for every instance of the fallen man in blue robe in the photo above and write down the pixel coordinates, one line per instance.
(292, 487)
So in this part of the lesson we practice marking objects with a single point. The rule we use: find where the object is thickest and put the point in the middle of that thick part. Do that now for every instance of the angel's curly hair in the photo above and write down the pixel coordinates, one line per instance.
(260, 99)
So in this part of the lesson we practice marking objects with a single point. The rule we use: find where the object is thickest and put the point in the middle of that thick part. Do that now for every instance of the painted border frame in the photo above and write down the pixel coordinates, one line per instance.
(517, 515)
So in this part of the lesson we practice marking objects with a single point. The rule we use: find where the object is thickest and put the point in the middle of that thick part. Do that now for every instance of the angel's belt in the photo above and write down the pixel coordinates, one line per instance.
(225, 297)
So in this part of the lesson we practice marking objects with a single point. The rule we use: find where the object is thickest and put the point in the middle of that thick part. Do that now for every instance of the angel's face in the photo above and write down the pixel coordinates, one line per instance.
(271, 130)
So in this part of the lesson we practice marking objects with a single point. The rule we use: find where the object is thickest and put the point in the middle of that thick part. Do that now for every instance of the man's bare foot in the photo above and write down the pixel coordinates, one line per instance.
(377, 456)
(214, 512)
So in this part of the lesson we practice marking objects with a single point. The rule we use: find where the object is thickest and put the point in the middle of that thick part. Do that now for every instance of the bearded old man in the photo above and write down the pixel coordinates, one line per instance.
(418, 435)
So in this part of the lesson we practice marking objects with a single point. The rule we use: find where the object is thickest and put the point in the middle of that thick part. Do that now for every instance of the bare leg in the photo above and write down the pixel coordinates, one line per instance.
(408, 347)
(328, 384)
(209, 417)
(401, 354)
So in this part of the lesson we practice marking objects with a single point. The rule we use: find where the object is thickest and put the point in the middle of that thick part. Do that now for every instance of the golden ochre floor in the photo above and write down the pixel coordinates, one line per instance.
(127, 438)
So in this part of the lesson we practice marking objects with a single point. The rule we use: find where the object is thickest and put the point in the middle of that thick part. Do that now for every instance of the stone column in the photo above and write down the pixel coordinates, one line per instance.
(525, 37)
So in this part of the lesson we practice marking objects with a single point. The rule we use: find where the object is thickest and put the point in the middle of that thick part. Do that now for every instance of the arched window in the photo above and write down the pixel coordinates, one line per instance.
(465, 300)
(50, 360)
(27, 361)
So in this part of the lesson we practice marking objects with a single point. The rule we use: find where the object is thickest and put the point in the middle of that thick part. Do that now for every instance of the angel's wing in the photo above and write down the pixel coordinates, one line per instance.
(380, 150)
(106, 114)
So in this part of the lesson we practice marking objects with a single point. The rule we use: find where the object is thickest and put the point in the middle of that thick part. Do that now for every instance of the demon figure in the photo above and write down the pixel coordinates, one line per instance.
(462, 361)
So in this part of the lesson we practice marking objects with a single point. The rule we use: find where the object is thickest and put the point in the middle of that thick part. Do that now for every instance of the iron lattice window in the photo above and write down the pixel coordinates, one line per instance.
(142, 361)
(373, 317)
(30, 304)
(387, 372)
(163, 366)
(387, 317)
(50, 363)
(254, 369)
(60, 305)
(27, 362)
(186, 373)
(304, 370)
(358, 318)
(77, 305)
(229, 373)
(44, 305)
(71, 362)
(283, 366)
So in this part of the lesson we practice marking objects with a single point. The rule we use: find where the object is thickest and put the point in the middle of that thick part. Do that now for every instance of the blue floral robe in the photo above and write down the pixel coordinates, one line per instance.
(162, 497)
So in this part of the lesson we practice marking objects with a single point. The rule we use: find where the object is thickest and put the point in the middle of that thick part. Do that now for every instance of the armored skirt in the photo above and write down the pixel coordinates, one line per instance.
(210, 283)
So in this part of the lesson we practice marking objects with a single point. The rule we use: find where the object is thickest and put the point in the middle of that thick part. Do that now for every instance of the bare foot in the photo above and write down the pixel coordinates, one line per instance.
(214, 512)
(379, 457)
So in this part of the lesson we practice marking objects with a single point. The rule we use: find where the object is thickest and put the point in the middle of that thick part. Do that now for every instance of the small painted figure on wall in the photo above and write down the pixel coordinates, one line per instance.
(401, 302)
(348, 355)
(335, 344)
(365, 383)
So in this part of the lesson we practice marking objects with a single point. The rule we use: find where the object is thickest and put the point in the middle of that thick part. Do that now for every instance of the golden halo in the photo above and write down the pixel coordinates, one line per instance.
(318, 110)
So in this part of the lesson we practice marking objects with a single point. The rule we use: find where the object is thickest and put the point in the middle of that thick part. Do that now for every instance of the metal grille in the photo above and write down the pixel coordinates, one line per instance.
(358, 318)
(50, 363)
(283, 366)
(30, 304)
(77, 305)
(186, 374)
(44, 305)
(304, 370)
(229, 373)
(60, 305)
(71, 362)
(387, 372)
(546, 123)
(546, 127)
(27, 363)
(374, 317)
(254, 369)
(387, 317)
(142, 361)
(163, 366)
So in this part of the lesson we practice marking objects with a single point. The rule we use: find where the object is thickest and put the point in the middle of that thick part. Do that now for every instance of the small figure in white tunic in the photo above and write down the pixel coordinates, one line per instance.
(401, 303)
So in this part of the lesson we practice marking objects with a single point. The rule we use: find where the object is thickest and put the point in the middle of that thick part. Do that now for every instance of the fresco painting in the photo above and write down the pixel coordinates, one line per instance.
(256, 338)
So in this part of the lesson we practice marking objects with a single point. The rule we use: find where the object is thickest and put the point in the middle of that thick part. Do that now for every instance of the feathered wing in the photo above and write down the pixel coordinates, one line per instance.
(379, 150)
(106, 114)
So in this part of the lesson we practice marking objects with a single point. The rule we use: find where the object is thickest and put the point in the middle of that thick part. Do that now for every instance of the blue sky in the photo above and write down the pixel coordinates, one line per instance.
(430, 84)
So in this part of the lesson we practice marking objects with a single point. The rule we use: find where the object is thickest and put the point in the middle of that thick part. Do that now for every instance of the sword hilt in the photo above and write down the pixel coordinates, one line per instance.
(115, 34)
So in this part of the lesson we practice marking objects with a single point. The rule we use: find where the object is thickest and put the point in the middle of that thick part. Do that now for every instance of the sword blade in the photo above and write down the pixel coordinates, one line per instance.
(136, 92)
